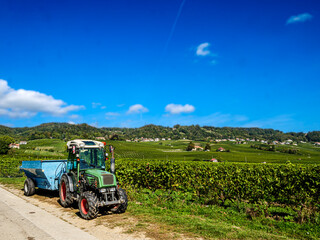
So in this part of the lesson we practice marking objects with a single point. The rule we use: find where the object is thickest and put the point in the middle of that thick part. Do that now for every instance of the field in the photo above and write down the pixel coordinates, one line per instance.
(175, 151)
(238, 198)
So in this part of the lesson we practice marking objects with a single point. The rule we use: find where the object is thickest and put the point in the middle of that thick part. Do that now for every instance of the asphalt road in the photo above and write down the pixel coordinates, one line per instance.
(22, 220)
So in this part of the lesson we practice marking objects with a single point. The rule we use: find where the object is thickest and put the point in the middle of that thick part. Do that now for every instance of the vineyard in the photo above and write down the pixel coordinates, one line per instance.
(283, 184)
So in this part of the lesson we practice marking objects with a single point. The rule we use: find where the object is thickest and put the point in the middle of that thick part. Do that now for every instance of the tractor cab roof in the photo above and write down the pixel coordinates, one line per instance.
(84, 143)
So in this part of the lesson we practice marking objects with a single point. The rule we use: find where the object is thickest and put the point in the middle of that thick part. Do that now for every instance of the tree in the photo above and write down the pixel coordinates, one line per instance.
(4, 144)
(190, 146)
(207, 147)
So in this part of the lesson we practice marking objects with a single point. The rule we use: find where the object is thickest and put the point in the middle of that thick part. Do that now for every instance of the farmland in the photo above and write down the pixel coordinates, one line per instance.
(176, 151)
(260, 191)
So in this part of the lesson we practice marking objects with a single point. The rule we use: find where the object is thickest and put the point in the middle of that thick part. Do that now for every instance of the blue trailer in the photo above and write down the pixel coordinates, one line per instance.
(45, 174)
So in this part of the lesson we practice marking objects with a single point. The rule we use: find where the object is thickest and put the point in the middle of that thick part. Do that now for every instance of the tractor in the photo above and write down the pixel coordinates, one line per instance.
(81, 179)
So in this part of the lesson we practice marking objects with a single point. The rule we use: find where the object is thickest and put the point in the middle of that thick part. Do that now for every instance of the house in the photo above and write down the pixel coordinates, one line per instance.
(14, 145)
(317, 143)
(220, 149)
(197, 148)
(100, 138)
(213, 160)
(23, 142)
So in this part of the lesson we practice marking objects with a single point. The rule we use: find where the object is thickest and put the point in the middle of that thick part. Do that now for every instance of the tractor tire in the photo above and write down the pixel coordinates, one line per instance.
(88, 205)
(123, 206)
(29, 187)
(65, 195)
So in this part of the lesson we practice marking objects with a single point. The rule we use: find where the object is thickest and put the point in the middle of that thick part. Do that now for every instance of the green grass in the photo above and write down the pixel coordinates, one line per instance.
(215, 222)
(13, 182)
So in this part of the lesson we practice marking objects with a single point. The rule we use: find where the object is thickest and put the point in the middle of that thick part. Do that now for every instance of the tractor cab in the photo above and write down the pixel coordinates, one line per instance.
(91, 154)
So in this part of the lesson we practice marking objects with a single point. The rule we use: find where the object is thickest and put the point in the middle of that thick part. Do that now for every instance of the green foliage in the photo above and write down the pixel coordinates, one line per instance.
(313, 136)
(4, 144)
(190, 146)
(207, 147)
(216, 183)
(67, 131)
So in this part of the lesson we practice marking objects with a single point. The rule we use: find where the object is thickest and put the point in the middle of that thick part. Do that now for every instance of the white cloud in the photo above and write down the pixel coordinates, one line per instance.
(202, 49)
(95, 105)
(178, 108)
(27, 103)
(299, 18)
(71, 123)
(137, 108)
(74, 116)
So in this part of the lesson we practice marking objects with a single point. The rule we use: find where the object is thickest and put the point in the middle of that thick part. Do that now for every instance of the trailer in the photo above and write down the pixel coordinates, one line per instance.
(44, 174)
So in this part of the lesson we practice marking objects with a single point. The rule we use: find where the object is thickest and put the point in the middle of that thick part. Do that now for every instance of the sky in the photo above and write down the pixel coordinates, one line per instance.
(131, 63)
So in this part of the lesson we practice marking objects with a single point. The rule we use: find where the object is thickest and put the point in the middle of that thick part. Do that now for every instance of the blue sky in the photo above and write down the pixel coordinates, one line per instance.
(131, 63)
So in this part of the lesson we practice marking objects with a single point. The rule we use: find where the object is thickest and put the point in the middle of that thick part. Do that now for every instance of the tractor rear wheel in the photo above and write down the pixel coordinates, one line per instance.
(29, 187)
(65, 195)
(88, 205)
(123, 206)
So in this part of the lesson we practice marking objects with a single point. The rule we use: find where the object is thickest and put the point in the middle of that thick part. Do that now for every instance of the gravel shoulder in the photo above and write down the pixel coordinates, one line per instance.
(42, 217)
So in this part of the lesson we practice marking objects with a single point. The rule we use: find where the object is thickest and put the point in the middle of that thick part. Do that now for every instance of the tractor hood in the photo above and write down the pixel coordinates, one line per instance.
(105, 178)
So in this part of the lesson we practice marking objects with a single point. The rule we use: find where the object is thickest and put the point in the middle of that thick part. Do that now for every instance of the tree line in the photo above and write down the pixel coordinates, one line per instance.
(67, 131)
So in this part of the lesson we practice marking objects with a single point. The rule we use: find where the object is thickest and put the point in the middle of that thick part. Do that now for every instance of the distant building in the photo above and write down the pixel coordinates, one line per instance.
(100, 138)
(23, 142)
(221, 149)
(14, 145)
(213, 160)
(197, 148)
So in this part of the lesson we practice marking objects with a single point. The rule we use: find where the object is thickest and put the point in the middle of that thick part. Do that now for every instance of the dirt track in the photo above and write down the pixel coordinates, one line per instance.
(42, 217)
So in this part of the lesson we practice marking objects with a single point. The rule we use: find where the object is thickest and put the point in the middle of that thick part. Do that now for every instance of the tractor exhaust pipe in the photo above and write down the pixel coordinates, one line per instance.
(112, 165)
(112, 160)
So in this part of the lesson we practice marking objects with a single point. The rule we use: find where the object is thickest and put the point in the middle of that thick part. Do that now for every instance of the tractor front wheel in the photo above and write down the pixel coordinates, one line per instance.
(88, 205)
(121, 208)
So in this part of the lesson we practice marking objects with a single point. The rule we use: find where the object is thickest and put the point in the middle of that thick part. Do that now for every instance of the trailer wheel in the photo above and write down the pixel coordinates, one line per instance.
(29, 187)
(88, 205)
(65, 195)
(123, 206)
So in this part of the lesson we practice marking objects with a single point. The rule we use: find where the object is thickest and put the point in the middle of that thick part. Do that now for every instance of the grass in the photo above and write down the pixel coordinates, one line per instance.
(214, 222)
(13, 182)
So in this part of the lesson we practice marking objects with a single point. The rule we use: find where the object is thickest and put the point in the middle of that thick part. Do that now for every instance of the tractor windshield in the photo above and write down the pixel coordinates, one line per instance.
(91, 158)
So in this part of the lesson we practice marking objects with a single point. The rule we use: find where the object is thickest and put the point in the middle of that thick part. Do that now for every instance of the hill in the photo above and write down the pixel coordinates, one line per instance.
(67, 131)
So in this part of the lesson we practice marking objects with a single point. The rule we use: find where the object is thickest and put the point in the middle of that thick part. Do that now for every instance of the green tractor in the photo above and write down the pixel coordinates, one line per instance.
(87, 182)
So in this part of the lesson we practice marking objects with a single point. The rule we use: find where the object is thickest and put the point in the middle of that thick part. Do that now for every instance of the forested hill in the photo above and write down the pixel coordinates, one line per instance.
(194, 132)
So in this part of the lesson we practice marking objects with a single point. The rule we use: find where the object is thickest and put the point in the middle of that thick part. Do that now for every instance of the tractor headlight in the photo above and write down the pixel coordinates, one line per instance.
(103, 190)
